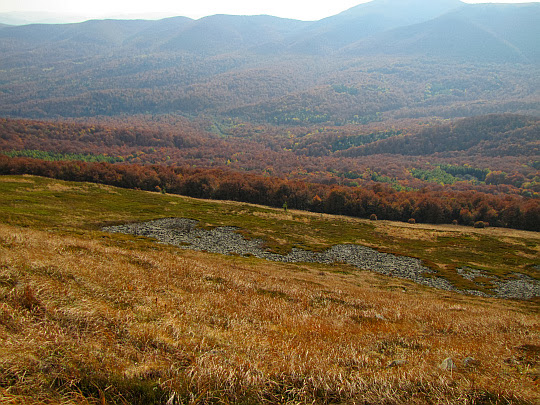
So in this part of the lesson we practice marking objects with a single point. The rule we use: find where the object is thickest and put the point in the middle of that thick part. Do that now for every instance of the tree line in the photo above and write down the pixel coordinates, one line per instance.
(435, 205)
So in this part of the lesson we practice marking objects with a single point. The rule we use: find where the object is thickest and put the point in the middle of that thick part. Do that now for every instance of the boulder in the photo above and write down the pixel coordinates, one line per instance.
(396, 363)
(447, 364)
(470, 362)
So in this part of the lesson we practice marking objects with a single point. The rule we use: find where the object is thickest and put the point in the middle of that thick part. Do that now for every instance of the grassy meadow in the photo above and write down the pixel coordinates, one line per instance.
(88, 317)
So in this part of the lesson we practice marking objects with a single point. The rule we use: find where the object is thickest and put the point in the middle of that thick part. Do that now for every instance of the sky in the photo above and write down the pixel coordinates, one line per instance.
(87, 9)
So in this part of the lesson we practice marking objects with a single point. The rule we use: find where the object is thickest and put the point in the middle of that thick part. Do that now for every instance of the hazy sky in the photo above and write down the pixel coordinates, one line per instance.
(298, 9)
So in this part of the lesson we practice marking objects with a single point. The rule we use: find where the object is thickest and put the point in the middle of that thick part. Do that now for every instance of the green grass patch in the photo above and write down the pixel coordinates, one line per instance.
(57, 156)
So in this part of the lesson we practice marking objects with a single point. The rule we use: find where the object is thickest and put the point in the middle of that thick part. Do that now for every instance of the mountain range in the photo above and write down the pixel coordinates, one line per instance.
(238, 64)
(507, 32)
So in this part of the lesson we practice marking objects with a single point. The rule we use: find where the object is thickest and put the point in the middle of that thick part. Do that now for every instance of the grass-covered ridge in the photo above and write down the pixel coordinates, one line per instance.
(89, 317)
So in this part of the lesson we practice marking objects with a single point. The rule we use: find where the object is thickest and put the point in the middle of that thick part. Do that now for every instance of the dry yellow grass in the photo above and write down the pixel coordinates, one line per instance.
(108, 320)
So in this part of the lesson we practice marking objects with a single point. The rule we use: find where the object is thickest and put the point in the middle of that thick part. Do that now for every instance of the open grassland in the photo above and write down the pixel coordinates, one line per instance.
(94, 318)
(84, 208)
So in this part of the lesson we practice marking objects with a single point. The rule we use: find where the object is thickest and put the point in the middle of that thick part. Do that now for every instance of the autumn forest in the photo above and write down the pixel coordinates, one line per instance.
(320, 116)
(466, 180)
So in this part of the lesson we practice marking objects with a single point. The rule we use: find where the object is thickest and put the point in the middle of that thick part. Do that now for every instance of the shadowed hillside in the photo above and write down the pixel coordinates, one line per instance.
(365, 20)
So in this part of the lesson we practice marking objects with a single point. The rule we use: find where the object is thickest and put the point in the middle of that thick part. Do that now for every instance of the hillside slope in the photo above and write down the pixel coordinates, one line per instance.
(492, 135)
(397, 27)
(90, 317)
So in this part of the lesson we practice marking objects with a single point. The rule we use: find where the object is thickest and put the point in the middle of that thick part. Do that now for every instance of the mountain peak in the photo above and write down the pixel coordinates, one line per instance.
(421, 7)
(369, 19)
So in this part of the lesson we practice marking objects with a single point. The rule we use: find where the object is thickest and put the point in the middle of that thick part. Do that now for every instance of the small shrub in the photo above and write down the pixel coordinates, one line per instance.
(479, 224)
(412, 221)
(373, 217)
(455, 222)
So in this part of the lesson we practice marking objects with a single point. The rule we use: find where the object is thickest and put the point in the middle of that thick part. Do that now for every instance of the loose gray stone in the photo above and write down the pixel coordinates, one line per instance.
(521, 287)
(470, 362)
(185, 234)
(396, 363)
(447, 364)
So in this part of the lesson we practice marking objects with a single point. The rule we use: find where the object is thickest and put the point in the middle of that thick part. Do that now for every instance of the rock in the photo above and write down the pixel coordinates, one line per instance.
(396, 363)
(380, 317)
(447, 364)
(518, 286)
(186, 234)
(470, 362)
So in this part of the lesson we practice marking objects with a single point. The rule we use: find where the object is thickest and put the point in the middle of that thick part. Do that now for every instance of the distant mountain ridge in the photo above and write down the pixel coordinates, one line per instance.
(398, 58)
(368, 19)
(225, 33)
(385, 26)
(496, 32)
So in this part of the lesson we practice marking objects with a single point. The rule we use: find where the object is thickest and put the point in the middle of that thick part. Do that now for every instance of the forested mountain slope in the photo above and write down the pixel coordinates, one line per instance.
(496, 154)
(492, 135)
(381, 60)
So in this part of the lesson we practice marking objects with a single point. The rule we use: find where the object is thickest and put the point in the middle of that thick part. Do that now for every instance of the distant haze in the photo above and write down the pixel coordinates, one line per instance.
(57, 11)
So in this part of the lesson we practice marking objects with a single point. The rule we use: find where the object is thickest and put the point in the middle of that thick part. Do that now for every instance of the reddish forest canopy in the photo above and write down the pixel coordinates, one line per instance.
(465, 171)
